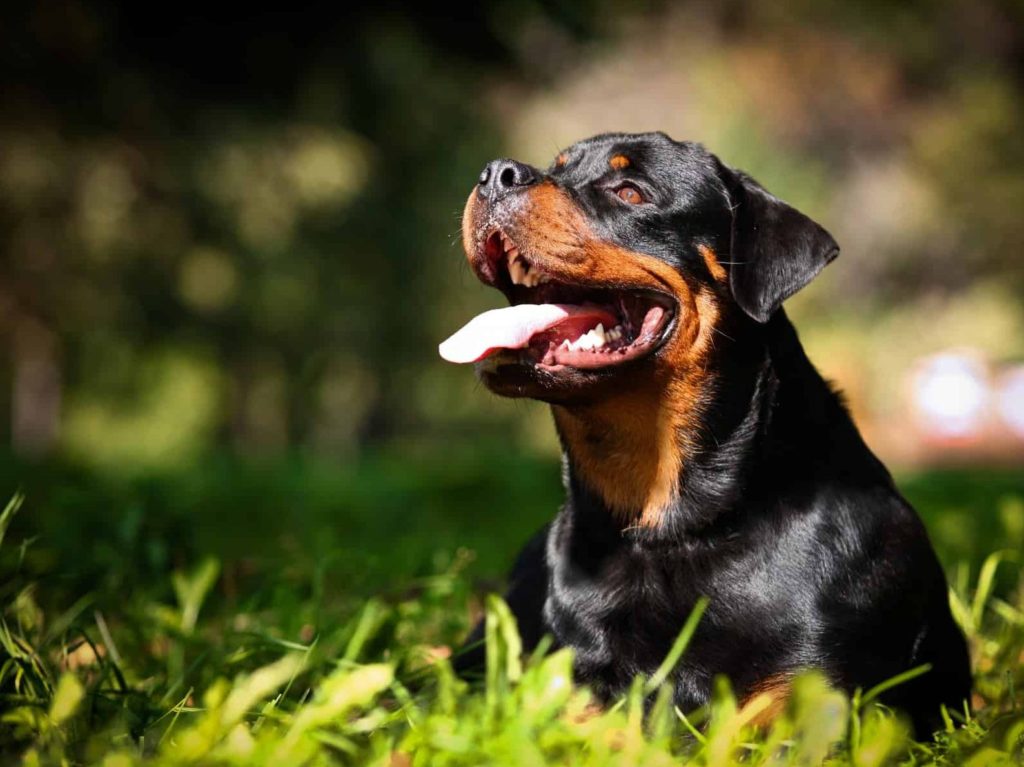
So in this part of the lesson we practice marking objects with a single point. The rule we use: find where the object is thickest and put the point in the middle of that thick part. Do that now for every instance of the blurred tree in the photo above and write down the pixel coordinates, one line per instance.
(241, 224)
(265, 190)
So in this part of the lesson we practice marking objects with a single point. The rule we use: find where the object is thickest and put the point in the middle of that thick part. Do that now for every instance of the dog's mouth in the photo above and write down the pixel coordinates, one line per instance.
(552, 323)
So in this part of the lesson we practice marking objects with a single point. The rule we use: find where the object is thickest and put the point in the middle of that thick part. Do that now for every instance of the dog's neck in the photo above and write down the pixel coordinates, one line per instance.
(629, 449)
(669, 457)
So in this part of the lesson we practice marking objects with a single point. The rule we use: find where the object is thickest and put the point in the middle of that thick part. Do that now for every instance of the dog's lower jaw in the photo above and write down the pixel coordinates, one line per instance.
(665, 457)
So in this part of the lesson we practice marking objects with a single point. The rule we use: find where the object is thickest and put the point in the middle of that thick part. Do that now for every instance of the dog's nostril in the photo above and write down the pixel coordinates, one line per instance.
(501, 177)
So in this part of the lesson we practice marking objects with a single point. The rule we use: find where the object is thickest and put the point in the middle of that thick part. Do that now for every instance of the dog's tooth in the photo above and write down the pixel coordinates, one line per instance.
(515, 271)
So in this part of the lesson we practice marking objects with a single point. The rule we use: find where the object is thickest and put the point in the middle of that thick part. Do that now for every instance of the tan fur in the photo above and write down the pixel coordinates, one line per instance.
(469, 219)
(631, 446)
(619, 161)
(778, 688)
(711, 262)
(628, 447)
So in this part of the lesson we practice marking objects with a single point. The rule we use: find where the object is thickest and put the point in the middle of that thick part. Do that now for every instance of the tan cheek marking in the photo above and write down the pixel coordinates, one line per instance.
(629, 447)
(561, 160)
(711, 262)
(619, 161)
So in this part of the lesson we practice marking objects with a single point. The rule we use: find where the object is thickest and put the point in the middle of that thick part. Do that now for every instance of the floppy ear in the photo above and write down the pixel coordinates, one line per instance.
(776, 249)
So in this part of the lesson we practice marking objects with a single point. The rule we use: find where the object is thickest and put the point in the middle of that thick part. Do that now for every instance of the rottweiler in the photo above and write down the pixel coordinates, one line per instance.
(703, 453)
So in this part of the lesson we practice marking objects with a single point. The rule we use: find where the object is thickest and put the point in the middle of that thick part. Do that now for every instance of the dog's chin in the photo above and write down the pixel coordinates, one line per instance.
(514, 375)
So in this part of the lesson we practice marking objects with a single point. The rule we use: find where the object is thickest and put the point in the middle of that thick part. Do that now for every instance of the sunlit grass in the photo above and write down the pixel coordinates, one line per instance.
(173, 678)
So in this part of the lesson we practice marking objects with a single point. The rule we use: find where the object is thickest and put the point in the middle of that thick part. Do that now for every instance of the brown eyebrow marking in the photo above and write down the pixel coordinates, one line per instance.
(619, 161)
(561, 160)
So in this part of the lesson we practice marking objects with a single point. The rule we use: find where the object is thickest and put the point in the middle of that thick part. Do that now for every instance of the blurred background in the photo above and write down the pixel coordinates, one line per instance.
(229, 248)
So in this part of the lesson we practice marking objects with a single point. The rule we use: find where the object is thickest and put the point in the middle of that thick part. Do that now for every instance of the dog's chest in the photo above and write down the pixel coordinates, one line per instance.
(621, 613)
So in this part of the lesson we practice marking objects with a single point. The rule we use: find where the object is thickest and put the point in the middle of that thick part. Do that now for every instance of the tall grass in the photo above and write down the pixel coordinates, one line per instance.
(171, 679)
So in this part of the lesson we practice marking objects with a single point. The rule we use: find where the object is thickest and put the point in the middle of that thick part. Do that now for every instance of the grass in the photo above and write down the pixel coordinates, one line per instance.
(296, 614)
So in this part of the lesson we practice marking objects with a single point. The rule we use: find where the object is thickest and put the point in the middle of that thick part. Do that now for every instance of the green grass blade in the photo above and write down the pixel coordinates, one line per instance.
(986, 579)
(370, 619)
(8, 513)
(678, 647)
(894, 681)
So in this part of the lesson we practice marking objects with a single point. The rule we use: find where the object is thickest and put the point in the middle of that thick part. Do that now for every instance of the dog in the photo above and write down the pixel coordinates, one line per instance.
(703, 454)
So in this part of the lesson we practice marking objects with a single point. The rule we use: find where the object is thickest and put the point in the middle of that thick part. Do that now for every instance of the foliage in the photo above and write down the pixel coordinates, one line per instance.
(297, 669)
(241, 232)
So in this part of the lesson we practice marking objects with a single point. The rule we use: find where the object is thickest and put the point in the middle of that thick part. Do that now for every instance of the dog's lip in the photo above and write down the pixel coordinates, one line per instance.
(494, 266)
(488, 268)
(653, 348)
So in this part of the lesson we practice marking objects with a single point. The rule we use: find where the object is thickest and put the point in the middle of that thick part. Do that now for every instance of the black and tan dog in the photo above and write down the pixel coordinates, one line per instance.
(703, 453)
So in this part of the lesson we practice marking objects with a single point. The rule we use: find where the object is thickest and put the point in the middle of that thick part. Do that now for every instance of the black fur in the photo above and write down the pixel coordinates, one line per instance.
(784, 519)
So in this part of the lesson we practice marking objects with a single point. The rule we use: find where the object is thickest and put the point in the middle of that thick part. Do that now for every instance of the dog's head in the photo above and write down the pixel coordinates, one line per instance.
(619, 261)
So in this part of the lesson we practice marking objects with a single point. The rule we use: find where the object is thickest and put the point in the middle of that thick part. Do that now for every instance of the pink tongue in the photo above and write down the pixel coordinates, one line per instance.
(509, 328)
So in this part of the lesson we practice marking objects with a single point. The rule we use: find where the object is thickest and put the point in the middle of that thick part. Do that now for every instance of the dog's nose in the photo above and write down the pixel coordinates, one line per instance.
(502, 176)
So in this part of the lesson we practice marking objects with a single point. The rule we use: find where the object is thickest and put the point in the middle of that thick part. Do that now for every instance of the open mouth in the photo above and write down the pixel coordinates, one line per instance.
(552, 323)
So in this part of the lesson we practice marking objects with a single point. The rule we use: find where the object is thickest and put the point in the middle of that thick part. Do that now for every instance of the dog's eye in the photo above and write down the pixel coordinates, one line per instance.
(629, 194)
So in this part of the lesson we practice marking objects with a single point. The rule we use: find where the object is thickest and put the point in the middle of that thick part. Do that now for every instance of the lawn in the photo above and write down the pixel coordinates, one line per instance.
(296, 612)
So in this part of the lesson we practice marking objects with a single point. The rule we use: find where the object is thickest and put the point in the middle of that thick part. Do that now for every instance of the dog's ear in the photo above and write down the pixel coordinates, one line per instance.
(776, 249)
